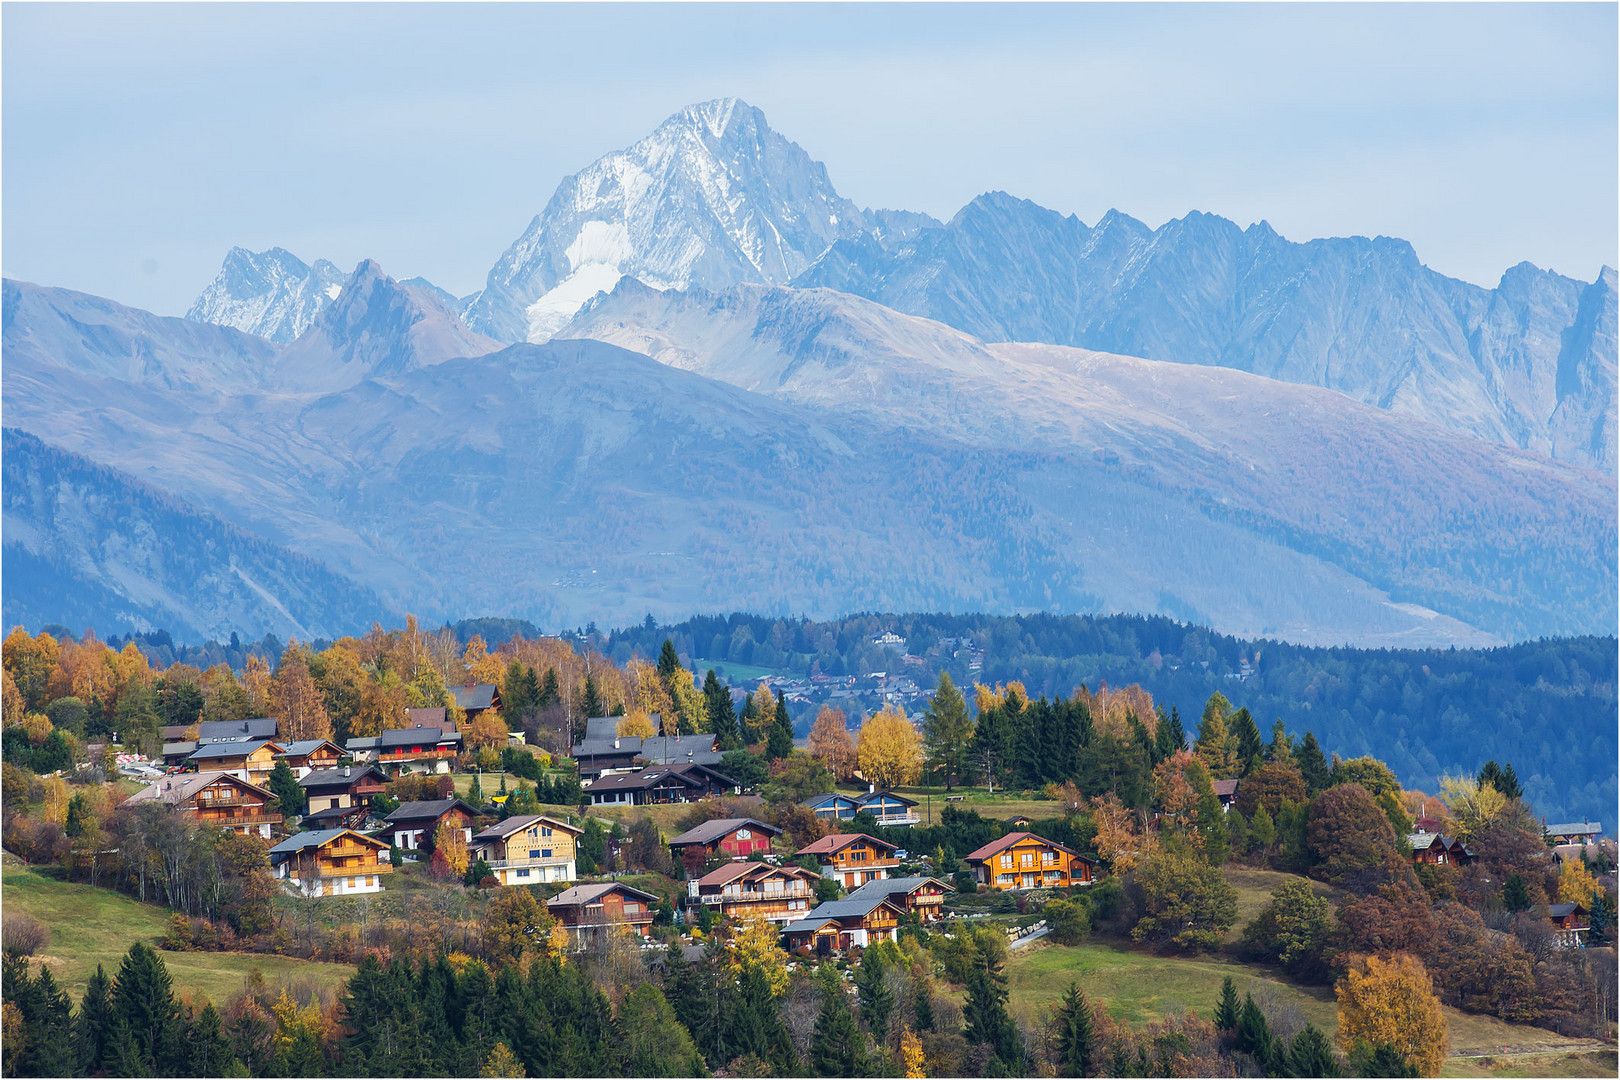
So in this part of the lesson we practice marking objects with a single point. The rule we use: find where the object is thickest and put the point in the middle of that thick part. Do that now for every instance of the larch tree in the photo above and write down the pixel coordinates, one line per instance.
(763, 713)
(1390, 1001)
(832, 744)
(296, 701)
(1214, 740)
(256, 681)
(636, 725)
(890, 750)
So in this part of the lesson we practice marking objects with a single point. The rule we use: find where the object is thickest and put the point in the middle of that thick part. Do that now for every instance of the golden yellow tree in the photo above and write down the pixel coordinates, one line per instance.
(14, 707)
(912, 1058)
(56, 800)
(256, 681)
(1576, 884)
(450, 842)
(502, 1064)
(831, 743)
(1472, 806)
(295, 700)
(481, 665)
(38, 726)
(30, 662)
(486, 729)
(649, 695)
(1111, 709)
(1391, 1000)
(757, 944)
(764, 713)
(637, 725)
(891, 750)
(1122, 845)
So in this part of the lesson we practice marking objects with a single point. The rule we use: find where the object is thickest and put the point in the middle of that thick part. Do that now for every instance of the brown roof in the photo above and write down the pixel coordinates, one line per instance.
(733, 871)
(174, 790)
(585, 894)
(523, 821)
(710, 831)
(831, 845)
(1224, 787)
(996, 846)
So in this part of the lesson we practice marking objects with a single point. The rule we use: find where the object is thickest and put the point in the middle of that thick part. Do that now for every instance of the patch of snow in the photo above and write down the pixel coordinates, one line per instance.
(333, 291)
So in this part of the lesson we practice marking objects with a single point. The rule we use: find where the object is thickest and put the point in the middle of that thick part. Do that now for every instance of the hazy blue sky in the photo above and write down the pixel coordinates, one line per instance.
(140, 143)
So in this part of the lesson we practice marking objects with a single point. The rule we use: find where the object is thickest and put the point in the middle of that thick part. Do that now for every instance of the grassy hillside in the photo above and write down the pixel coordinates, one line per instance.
(96, 926)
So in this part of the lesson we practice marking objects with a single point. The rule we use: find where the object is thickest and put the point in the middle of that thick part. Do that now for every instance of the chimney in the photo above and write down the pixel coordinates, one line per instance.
(615, 742)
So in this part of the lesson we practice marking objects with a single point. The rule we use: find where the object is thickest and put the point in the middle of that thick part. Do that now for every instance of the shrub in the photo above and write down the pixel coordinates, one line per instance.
(24, 935)
(1070, 921)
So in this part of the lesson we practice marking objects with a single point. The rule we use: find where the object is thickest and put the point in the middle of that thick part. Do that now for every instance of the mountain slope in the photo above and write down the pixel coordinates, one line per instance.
(712, 197)
(1395, 502)
(88, 546)
(1360, 316)
(270, 294)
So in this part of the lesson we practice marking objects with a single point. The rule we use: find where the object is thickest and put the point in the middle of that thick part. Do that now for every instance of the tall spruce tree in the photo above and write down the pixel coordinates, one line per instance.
(669, 661)
(722, 713)
(1227, 1008)
(836, 1044)
(985, 1015)
(143, 1006)
(284, 786)
(94, 1022)
(208, 1052)
(550, 689)
(779, 743)
(877, 1000)
(756, 1023)
(1313, 765)
(1076, 1037)
(947, 732)
(1311, 1054)
(1251, 750)
(591, 700)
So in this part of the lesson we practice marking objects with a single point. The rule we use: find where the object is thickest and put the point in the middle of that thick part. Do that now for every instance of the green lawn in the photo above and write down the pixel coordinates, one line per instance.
(1583, 1063)
(1138, 987)
(738, 672)
(1254, 889)
(97, 926)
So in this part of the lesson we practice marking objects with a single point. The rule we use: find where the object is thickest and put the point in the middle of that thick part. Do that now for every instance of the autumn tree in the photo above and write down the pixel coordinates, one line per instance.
(635, 725)
(450, 849)
(255, 680)
(1351, 839)
(1472, 807)
(1213, 745)
(516, 924)
(1185, 902)
(1269, 786)
(832, 744)
(649, 692)
(1576, 883)
(1391, 1001)
(890, 750)
(761, 713)
(1292, 929)
(1120, 840)
(295, 700)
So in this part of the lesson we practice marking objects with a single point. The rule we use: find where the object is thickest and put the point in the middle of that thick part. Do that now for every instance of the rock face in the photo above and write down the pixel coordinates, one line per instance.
(809, 451)
(712, 197)
(90, 546)
(1360, 316)
(271, 294)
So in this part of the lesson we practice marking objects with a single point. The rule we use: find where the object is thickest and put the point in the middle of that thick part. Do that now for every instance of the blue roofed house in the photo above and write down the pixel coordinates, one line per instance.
(886, 806)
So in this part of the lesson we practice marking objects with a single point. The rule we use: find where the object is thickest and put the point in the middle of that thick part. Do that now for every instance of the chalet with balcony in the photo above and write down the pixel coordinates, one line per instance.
(853, 922)
(1571, 923)
(413, 825)
(1574, 832)
(1433, 849)
(621, 753)
(251, 761)
(657, 784)
(1022, 860)
(592, 909)
(528, 850)
(743, 890)
(852, 859)
(303, 756)
(735, 838)
(331, 862)
(341, 798)
(182, 740)
(923, 895)
(418, 750)
(217, 798)
(887, 807)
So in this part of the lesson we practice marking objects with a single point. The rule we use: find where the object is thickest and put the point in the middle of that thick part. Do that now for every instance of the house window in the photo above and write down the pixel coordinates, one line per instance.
(545, 831)
(632, 908)
(545, 853)
(1026, 858)
(743, 834)
(534, 853)
(523, 873)
(1006, 860)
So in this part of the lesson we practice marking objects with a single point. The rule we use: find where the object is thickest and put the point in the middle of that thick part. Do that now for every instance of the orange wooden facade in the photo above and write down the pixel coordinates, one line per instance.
(1027, 861)
(852, 859)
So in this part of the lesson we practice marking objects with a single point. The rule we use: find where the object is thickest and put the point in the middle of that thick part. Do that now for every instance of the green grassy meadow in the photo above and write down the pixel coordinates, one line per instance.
(91, 926)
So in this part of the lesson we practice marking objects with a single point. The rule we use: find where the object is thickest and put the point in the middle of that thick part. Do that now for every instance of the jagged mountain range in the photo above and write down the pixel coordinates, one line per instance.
(820, 408)
(714, 197)
(807, 451)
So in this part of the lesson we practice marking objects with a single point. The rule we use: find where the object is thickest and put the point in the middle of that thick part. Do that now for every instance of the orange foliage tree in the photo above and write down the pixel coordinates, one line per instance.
(830, 742)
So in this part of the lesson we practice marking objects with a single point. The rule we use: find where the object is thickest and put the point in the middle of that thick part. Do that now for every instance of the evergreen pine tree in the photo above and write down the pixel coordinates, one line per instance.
(124, 1056)
(1311, 1054)
(284, 786)
(836, 1042)
(1262, 830)
(302, 1057)
(750, 716)
(779, 743)
(516, 700)
(208, 1052)
(90, 1029)
(947, 731)
(1515, 897)
(722, 713)
(877, 1000)
(669, 662)
(1165, 745)
(1282, 747)
(1075, 1035)
(1237, 831)
(756, 1023)
(1227, 1009)
(1312, 764)
(1246, 734)
(550, 690)
(1253, 1032)
(922, 1007)
(1178, 733)
(985, 1014)
(143, 1004)
(591, 701)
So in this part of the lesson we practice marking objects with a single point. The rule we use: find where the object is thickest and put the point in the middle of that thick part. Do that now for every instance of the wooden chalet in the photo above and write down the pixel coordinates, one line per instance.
(251, 761)
(528, 849)
(658, 784)
(853, 922)
(475, 699)
(887, 807)
(1571, 923)
(622, 753)
(736, 838)
(341, 798)
(591, 909)
(418, 750)
(923, 895)
(852, 859)
(1574, 832)
(413, 825)
(1433, 849)
(303, 756)
(1022, 860)
(331, 862)
(742, 890)
(217, 798)
(1226, 791)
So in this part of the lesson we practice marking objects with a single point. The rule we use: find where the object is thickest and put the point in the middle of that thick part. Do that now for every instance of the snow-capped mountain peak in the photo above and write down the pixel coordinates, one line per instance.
(713, 195)
(272, 294)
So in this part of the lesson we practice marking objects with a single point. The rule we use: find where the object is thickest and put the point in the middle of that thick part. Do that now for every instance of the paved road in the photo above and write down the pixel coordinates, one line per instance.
(1036, 936)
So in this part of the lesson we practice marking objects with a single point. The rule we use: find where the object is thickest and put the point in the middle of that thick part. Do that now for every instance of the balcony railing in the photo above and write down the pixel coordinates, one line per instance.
(509, 864)
(752, 896)
(229, 800)
(227, 821)
(415, 755)
(909, 817)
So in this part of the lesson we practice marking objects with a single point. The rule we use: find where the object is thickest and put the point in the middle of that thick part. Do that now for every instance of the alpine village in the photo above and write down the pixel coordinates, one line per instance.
(412, 854)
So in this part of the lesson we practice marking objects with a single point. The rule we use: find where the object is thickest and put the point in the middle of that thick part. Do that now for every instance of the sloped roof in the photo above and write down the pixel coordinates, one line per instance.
(891, 886)
(585, 894)
(996, 846)
(874, 796)
(698, 749)
(367, 742)
(481, 696)
(828, 797)
(210, 751)
(607, 727)
(340, 777)
(1224, 787)
(305, 747)
(522, 821)
(178, 789)
(1576, 828)
(436, 717)
(836, 842)
(263, 727)
(426, 810)
(652, 774)
(318, 838)
(416, 737)
(710, 831)
(849, 906)
(1558, 911)
(735, 871)
(170, 749)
